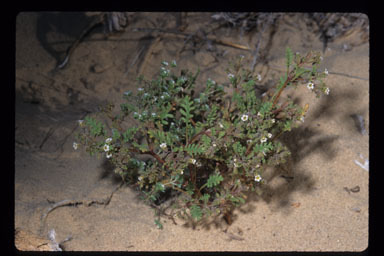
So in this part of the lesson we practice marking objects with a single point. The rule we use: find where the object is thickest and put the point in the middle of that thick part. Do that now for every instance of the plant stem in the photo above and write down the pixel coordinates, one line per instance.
(280, 91)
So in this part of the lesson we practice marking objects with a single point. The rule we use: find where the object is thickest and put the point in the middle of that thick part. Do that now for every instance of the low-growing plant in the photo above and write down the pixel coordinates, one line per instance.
(209, 150)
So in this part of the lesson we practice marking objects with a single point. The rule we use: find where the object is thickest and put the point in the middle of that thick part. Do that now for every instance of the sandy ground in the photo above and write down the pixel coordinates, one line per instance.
(317, 208)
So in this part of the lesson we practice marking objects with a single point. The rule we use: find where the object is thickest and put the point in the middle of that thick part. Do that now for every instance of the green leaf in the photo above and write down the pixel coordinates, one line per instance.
(238, 148)
(158, 224)
(214, 180)
(159, 187)
(196, 212)
(193, 149)
(205, 198)
(129, 134)
(289, 56)
(97, 128)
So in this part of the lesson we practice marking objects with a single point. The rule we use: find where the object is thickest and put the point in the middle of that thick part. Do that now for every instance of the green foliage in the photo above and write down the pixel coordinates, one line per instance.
(193, 149)
(214, 180)
(289, 56)
(196, 212)
(208, 147)
(96, 127)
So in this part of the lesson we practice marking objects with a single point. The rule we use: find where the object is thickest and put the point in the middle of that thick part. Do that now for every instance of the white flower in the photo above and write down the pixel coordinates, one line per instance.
(249, 141)
(264, 139)
(109, 155)
(140, 178)
(257, 178)
(273, 120)
(75, 145)
(163, 145)
(173, 63)
(106, 148)
(257, 166)
(259, 77)
(230, 76)
(302, 119)
(164, 63)
(310, 86)
(193, 161)
(326, 71)
(244, 118)
(221, 126)
(214, 144)
(182, 172)
(140, 89)
(327, 91)
(81, 122)
(108, 140)
(198, 164)
(153, 114)
(269, 135)
(258, 114)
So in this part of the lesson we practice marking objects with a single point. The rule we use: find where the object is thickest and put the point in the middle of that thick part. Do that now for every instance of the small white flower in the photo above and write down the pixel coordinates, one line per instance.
(259, 77)
(310, 86)
(326, 71)
(193, 161)
(81, 122)
(153, 114)
(212, 81)
(244, 118)
(221, 126)
(273, 120)
(198, 164)
(327, 91)
(257, 166)
(108, 140)
(230, 76)
(235, 160)
(173, 63)
(182, 172)
(264, 139)
(258, 114)
(109, 155)
(235, 165)
(164, 63)
(257, 178)
(140, 89)
(321, 58)
(269, 135)
(214, 145)
(106, 148)
(75, 145)
(140, 178)
(249, 141)
(302, 119)
(163, 145)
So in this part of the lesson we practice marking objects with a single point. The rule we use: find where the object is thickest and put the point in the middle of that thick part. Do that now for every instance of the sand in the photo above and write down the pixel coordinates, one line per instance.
(312, 204)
